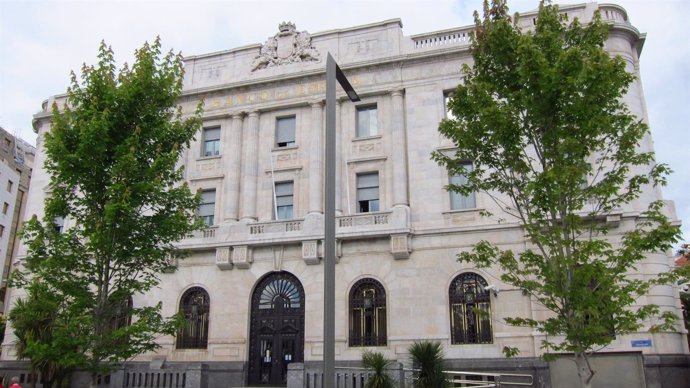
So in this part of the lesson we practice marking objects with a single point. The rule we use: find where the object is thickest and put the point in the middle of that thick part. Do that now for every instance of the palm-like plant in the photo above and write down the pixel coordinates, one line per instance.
(377, 363)
(427, 357)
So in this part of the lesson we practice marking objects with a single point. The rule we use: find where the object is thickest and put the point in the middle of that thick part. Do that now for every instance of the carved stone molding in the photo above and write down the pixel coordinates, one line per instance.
(172, 265)
(242, 256)
(397, 92)
(285, 47)
(223, 258)
(310, 252)
(400, 246)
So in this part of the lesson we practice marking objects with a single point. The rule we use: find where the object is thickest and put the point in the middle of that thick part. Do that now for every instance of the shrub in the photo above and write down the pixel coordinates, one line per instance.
(376, 362)
(427, 357)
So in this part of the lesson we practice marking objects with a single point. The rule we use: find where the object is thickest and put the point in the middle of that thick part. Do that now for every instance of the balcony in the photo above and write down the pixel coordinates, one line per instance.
(354, 226)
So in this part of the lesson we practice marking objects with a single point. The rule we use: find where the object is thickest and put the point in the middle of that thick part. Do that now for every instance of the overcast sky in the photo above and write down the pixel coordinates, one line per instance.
(41, 41)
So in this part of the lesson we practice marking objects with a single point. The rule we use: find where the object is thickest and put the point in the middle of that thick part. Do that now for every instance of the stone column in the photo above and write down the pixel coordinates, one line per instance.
(399, 149)
(340, 178)
(232, 145)
(316, 158)
(250, 168)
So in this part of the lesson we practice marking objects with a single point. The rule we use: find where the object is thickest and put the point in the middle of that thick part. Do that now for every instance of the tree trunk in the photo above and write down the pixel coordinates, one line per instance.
(584, 370)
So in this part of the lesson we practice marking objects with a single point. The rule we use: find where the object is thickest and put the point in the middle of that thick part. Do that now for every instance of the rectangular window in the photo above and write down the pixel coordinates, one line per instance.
(10, 184)
(2, 230)
(284, 200)
(212, 141)
(59, 224)
(5, 207)
(368, 192)
(457, 200)
(207, 207)
(367, 121)
(446, 105)
(285, 131)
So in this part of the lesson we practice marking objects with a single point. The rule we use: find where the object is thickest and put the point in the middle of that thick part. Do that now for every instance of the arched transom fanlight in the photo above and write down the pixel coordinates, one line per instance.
(280, 291)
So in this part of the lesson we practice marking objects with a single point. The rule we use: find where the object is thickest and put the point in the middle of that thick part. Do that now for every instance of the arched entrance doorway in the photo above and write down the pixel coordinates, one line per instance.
(277, 328)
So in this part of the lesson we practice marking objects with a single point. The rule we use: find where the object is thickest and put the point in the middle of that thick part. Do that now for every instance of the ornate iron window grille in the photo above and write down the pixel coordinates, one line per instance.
(195, 307)
(470, 310)
(367, 313)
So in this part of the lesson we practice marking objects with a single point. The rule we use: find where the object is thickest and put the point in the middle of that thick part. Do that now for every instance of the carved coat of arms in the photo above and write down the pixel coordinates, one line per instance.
(287, 46)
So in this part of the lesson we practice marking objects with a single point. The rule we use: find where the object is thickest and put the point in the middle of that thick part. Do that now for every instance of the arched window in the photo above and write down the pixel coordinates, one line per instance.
(367, 314)
(470, 310)
(194, 306)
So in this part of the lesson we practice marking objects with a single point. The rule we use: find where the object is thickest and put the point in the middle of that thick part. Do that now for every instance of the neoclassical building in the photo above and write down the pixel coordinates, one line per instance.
(252, 288)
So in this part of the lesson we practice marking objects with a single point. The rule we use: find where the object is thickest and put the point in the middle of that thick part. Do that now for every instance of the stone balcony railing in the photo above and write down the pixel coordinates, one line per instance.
(610, 13)
(614, 13)
(234, 241)
(275, 227)
(360, 225)
(438, 39)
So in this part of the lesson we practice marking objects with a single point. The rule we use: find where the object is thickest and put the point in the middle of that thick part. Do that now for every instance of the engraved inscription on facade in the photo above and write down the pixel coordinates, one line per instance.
(363, 46)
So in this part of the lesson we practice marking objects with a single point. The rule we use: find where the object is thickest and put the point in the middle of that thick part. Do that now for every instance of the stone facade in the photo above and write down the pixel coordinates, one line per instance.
(409, 245)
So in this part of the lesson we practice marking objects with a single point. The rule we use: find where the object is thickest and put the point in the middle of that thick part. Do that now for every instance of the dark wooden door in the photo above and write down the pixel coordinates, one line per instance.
(277, 328)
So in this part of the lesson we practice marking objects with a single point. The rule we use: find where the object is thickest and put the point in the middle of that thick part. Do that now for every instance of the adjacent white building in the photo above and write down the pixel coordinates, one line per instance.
(252, 288)
(16, 163)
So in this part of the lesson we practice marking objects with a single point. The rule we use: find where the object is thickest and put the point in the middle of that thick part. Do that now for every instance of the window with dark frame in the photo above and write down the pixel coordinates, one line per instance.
(10, 184)
(367, 121)
(446, 105)
(285, 131)
(5, 207)
(457, 200)
(367, 314)
(207, 207)
(470, 310)
(195, 308)
(368, 192)
(122, 313)
(211, 141)
(284, 200)
(59, 224)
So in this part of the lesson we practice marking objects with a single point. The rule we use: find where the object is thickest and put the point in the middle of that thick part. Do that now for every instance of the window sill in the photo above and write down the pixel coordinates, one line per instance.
(473, 344)
(202, 158)
(292, 147)
(364, 138)
(460, 211)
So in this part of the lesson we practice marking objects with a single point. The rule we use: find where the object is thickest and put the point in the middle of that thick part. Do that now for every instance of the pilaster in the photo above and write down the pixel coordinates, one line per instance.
(232, 144)
(399, 154)
(250, 168)
(316, 158)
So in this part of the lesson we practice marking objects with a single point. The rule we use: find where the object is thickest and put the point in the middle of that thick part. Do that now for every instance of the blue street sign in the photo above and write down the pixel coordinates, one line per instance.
(647, 343)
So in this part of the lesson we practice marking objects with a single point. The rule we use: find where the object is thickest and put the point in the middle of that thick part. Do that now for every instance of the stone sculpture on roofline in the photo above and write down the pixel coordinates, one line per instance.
(285, 47)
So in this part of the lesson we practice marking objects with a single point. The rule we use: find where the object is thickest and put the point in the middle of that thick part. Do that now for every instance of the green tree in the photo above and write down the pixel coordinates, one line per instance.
(111, 155)
(540, 116)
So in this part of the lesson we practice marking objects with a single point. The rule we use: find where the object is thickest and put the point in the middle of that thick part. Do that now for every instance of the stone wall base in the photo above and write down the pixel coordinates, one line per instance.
(660, 371)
